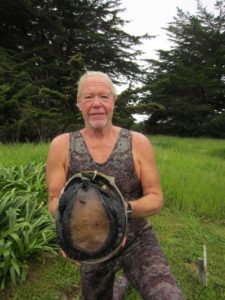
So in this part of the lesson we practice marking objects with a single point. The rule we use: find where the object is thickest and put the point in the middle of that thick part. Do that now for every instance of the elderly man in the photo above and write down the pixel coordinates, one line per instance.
(128, 157)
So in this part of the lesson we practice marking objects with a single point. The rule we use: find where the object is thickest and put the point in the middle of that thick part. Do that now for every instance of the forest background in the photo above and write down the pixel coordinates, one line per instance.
(46, 45)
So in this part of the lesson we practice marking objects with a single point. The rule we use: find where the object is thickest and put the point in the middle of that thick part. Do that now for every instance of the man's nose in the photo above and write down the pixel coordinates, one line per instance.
(96, 101)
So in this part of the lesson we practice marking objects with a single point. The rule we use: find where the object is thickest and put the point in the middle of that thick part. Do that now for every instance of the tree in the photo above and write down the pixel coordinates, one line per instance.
(188, 80)
(49, 43)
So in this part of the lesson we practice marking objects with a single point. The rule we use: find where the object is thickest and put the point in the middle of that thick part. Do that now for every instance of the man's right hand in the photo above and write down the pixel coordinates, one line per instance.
(66, 256)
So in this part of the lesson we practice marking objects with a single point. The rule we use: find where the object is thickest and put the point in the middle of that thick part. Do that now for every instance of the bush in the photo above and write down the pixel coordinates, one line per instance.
(27, 230)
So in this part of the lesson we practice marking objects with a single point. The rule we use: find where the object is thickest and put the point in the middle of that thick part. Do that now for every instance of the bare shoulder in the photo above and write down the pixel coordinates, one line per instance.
(58, 148)
(143, 154)
(140, 142)
(60, 140)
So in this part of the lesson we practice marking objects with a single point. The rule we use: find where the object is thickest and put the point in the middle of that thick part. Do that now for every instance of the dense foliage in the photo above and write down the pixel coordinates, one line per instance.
(46, 45)
(27, 230)
(44, 48)
(188, 81)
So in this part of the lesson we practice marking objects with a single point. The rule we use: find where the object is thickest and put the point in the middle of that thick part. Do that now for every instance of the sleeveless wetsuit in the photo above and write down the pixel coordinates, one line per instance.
(141, 259)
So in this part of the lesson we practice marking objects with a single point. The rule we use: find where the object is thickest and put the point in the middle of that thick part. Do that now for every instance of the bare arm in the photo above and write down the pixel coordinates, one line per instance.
(152, 200)
(56, 170)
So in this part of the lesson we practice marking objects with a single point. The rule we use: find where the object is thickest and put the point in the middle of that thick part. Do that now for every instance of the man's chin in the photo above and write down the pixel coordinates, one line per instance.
(98, 125)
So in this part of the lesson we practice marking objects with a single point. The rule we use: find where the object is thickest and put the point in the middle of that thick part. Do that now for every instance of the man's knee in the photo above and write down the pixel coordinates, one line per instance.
(165, 291)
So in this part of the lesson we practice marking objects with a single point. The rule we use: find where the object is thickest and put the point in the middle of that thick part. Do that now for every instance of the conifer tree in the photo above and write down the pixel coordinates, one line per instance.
(51, 42)
(188, 80)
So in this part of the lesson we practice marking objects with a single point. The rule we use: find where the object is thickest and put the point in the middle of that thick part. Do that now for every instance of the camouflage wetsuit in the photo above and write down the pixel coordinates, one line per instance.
(141, 259)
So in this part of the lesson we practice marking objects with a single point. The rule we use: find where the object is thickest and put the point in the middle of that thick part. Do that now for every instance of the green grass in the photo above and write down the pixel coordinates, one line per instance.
(47, 281)
(192, 175)
(22, 154)
(181, 236)
(192, 171)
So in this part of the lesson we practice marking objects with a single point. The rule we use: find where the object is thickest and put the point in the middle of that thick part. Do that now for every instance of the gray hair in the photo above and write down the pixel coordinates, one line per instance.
(96, 74)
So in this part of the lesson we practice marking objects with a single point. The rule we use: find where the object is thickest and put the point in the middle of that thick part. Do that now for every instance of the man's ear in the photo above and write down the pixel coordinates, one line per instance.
(78, 105)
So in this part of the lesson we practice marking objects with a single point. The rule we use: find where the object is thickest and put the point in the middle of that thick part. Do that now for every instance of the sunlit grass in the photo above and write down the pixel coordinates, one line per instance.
(192, 173)
(22, 154)
(181, 236)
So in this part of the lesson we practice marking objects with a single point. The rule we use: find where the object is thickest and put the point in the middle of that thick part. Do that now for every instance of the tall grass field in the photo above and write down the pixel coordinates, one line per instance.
(192, 173)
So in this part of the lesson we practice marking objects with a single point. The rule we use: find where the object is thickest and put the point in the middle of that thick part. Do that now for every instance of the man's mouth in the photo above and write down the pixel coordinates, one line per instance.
(96, 114)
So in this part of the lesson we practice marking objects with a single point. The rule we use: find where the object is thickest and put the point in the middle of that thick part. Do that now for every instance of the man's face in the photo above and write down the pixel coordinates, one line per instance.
(96, 102)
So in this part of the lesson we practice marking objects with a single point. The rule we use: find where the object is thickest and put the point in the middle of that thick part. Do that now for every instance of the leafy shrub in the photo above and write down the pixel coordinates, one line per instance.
(29, 178)
(27, 230)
